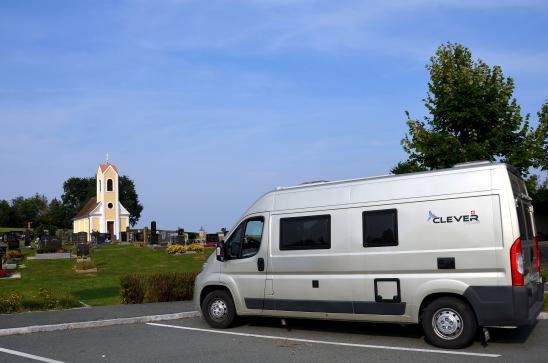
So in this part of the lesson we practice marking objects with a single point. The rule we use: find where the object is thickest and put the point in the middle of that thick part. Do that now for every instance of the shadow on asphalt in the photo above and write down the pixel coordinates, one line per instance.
(511, 336)
(358, 328)
(413, 331)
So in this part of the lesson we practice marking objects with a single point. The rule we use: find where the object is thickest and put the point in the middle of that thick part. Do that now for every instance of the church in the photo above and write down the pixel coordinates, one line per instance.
(103, 213)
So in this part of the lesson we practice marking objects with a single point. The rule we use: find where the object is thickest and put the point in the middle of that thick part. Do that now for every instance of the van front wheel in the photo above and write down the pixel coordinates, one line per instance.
(449, 323)
(218, 309)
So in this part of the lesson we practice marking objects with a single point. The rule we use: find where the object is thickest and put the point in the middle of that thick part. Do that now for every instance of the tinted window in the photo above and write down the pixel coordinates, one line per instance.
(246, 239)
(380, 228)
(524, 220)
(305, 233)
(252, 238)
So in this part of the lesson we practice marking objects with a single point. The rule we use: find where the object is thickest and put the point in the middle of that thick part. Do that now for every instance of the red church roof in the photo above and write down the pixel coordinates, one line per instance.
(105, 166)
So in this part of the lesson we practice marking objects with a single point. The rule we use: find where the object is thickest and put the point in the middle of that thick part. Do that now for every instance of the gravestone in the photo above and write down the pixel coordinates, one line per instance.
(82, 249)
(153, 233)
(53, 243)
(28, 238)
(180, 240)
(81, 237)
(12, 239)
(101, 238)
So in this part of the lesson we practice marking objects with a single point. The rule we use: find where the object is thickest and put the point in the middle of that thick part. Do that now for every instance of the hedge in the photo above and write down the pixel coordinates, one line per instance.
(157, 287)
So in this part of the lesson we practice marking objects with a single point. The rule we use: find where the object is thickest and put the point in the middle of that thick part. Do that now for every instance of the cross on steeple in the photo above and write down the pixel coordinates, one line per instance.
(107, 159)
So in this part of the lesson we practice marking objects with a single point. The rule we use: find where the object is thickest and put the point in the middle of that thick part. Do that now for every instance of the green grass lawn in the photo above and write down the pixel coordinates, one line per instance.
(101, 288)
(7, 229)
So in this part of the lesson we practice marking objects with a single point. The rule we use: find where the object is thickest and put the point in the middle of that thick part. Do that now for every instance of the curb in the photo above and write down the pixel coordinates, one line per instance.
(543, 316)
(97, 323)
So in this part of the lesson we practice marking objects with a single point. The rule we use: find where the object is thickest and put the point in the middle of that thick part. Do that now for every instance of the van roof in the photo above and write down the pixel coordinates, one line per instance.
(378, 188)
(463, 166)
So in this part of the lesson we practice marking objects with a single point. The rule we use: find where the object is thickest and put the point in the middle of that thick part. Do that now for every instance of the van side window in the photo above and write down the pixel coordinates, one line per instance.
(305, 233)
(380, 228)
(245, 241)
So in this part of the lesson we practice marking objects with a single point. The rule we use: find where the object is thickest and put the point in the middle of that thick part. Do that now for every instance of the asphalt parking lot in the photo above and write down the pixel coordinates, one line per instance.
(265, 340)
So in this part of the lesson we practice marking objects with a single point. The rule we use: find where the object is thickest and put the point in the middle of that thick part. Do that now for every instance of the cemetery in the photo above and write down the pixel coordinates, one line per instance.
(68, 269)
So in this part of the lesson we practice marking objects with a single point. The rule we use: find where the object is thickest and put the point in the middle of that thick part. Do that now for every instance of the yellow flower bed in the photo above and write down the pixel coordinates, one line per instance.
(176, 249)
(196, 248)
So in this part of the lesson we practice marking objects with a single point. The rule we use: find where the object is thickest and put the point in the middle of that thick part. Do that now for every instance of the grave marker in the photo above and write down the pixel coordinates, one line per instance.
(82, 249)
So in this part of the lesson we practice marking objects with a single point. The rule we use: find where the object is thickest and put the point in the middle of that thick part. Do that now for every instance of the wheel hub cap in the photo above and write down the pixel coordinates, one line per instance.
(447, 324)
(218, 309)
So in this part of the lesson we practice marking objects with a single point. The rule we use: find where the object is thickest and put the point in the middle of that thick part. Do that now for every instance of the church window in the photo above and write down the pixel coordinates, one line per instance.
(109, 206)
(99, 182)
(109, 185)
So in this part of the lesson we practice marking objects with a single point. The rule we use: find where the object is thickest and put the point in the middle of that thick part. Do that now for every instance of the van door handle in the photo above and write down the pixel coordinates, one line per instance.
(260, 264)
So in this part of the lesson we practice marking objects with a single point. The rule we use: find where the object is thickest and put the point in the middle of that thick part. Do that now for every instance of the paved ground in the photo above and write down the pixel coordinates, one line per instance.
(89, 314)
(265, 340)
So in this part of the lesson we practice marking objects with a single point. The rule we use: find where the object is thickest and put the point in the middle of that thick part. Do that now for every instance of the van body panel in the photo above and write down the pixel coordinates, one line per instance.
(243, 276)
(451, 234)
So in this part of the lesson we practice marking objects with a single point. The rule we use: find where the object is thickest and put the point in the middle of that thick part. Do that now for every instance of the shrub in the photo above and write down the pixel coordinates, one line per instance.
(157, 287)
(176, 249)
(48, 249)
(170, 286)
(68, 301)
(132, 288)
(44, 300)
(85, 265)
(39, 231)
(48, 297)
(196, 248)
(10, 302)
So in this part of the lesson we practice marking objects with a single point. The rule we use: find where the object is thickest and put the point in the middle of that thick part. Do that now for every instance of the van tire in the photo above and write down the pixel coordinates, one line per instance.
(449, 323)
(218, 309)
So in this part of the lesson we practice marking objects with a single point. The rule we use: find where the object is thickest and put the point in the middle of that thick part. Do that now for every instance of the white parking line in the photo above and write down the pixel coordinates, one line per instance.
(29, 356)
(386, 347)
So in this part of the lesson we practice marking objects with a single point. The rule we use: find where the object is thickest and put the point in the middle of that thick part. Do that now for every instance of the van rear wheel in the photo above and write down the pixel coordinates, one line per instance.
(218, 309)
(449, 323)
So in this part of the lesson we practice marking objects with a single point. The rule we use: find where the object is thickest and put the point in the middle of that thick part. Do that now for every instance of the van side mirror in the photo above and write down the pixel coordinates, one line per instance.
(220, 252)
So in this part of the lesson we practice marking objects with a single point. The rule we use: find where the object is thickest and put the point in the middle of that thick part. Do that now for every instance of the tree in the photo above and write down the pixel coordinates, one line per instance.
(77, 191)
(129, 199)
(7, 215)
(472, 116)
(57, 215)
(541, 134)
(29, 209)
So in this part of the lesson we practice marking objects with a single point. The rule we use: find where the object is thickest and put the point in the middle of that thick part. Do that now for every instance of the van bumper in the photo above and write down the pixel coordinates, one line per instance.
(506, 305)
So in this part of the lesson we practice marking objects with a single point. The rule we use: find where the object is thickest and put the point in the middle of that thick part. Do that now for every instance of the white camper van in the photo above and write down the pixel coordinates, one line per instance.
(453, 250)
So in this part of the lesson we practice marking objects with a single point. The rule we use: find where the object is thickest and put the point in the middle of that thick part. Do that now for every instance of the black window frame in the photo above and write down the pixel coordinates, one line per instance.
(310, 247)
(110, 185)
(391, 211)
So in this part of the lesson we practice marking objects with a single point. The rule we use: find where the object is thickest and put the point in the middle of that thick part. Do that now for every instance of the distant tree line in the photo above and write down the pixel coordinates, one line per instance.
(59, 213)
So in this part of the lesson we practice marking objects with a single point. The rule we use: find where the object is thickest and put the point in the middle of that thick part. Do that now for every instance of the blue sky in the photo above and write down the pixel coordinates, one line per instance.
(208, 104)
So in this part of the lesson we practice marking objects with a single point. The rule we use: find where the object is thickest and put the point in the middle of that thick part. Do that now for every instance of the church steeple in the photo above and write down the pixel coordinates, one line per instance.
(104, 213)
